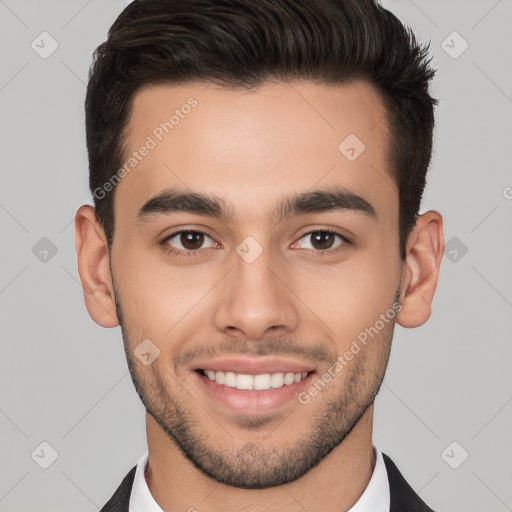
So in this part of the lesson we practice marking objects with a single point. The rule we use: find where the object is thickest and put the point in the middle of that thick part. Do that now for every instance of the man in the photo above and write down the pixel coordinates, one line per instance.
(257, 169)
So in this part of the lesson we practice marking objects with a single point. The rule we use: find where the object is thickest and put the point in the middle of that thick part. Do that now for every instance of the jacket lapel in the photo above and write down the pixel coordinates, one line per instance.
(403, 497)
(120, 501)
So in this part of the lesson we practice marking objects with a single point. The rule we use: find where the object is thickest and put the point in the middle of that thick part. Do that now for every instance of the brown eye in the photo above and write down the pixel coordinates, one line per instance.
(191, 240)
(322, 240)
(188, 241)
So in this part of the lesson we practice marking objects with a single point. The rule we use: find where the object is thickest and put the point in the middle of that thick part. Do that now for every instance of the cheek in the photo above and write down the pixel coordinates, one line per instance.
(349, 296)
(155, 297)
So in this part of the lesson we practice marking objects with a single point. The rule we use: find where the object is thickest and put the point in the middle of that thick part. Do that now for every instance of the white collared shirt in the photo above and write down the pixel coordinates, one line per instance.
(375, 498)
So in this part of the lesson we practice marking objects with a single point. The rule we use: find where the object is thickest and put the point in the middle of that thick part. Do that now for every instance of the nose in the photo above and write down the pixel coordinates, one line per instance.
(255, 301)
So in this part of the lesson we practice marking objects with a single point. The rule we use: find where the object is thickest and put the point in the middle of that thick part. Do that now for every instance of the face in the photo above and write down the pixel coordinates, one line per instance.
(254, 245)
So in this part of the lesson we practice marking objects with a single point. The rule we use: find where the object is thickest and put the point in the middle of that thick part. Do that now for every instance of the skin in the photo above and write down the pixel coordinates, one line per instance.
(252, 149)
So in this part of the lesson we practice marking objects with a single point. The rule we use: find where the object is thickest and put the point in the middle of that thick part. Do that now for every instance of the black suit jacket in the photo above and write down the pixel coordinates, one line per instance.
(403, 498)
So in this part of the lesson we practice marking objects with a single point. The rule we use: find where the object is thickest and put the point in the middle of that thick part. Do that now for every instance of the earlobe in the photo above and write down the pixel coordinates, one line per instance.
(93, 267)
(424, 253)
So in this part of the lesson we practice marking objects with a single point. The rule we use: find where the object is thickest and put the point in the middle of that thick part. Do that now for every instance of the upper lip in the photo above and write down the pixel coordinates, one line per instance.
(254, 366)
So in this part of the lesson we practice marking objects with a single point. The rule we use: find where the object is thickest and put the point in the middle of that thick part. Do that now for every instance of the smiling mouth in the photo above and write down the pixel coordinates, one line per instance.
(258, 382)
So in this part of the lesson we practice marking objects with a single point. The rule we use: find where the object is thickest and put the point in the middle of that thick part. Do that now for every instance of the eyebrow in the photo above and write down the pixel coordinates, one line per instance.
(317, 201)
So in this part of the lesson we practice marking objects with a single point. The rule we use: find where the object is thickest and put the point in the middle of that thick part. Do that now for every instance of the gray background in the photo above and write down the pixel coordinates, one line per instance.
(64, 380)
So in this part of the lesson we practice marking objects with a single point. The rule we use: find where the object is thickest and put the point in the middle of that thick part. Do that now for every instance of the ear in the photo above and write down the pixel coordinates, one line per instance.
(420, 273)
(93, 267)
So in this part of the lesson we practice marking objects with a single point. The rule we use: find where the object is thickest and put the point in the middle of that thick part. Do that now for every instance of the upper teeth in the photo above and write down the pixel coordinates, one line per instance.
(262, 381)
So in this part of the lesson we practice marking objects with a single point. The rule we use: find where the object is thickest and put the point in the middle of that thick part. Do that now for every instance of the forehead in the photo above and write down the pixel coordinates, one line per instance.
(253, 147)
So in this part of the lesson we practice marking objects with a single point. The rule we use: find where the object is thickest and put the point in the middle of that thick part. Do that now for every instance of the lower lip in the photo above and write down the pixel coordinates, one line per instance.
(246, 401)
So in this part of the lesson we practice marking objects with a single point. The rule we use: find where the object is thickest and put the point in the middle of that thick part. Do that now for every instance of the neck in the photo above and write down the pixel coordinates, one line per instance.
(336, 482)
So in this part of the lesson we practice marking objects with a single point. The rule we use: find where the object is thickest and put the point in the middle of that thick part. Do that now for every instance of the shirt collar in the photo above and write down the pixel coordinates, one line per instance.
(141, 499)
(375, 498)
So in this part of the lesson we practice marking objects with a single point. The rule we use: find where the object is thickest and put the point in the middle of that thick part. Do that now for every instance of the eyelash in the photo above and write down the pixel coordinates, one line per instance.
(190, 254)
